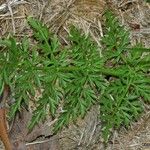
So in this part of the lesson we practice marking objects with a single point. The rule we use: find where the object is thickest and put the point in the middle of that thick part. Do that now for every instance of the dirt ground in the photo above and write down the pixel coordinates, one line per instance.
(87, 15)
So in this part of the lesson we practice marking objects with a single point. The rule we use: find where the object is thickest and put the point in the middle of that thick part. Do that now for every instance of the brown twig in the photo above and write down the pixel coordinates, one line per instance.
(3, 128)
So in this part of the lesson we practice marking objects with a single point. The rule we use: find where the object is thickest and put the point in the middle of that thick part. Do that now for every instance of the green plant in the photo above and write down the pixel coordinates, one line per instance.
(123, 98)
(76, 76)
(148, 1)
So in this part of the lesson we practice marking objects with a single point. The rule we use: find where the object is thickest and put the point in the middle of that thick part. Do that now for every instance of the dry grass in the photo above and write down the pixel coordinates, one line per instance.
(58, 15)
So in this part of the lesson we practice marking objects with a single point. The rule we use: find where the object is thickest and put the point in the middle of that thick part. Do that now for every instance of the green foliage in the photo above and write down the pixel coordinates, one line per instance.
(121, 102)
(148, 1)
(116, 39)
(76, 76)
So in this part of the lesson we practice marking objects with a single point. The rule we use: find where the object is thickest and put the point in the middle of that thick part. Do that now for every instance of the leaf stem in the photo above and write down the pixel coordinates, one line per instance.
(103, 70)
